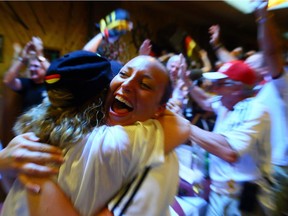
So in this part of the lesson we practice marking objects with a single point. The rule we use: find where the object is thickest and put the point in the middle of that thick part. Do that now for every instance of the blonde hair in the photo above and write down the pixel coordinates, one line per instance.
(58, 121)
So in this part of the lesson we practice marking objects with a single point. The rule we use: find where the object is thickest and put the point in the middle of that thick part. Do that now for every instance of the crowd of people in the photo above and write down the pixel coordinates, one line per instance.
(101, 136)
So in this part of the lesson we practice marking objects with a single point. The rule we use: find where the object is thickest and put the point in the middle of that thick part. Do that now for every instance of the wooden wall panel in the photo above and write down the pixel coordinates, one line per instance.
(63, 26)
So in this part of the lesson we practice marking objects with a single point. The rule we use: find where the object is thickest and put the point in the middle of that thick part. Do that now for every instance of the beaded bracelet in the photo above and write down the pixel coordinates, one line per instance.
(263, 19)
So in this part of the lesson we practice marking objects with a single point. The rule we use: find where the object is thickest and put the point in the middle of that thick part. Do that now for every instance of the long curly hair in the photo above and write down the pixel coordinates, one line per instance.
(58, 121)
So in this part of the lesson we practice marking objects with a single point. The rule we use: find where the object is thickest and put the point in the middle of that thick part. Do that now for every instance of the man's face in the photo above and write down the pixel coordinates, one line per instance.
(173, 69)
(229, 90)
(37, 73)
(173, 66)
(136, 92)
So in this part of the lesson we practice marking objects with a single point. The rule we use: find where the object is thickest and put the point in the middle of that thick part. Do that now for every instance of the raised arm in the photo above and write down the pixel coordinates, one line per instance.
(11, 76)
(94, 43)
(205, 60)
(222, 53)
(269, 40)
(39, 49)
(145, 47)
(34, 46)
(201, 97)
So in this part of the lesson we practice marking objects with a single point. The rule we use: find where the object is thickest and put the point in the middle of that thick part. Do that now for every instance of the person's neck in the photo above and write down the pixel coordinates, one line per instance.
(230, 105)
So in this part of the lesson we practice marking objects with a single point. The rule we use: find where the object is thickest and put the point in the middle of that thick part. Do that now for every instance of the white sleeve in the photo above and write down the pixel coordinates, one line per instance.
(256, 129)
(148, 142)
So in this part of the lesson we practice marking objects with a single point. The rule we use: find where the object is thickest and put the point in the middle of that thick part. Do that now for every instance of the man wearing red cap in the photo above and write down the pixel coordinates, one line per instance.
(273, 91)
(240, 143)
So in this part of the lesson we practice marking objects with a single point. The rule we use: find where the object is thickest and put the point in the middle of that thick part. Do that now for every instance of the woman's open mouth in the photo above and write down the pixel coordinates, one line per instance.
(120, 105)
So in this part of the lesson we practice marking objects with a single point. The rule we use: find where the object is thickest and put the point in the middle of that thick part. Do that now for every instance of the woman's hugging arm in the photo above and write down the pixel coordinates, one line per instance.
(176, 130)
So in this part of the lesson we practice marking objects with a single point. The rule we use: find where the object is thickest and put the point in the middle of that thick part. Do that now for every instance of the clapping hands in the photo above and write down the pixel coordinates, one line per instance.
(34, 47)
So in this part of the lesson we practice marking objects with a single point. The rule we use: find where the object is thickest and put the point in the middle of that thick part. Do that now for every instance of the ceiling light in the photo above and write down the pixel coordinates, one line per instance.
(246, 6)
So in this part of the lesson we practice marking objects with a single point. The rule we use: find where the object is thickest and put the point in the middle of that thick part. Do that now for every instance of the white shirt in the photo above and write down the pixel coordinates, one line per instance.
(156, 193)
(95, 169)
(247, 130)
(274, 95)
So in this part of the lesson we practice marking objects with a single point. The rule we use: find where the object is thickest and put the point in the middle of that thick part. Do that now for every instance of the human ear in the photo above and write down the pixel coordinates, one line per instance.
(159, 111)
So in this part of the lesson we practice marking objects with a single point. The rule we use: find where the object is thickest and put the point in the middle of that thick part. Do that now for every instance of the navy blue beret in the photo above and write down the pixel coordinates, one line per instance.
(85, 74)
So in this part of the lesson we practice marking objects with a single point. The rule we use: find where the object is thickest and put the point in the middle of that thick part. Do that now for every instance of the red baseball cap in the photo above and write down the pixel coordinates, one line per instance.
(234, 70)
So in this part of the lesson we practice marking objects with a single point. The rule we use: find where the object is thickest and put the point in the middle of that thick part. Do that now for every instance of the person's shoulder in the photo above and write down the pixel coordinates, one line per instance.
(104, 129)
(150, 123)
(26, 82)
(258, 109)
(25, 79)
(109, 136)
(148, 129)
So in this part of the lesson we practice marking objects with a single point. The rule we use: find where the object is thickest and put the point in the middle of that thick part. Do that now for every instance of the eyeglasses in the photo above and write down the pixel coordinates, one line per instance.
(227, 83)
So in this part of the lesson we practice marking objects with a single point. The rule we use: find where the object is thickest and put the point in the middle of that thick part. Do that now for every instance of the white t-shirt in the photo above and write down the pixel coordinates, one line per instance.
(274, 95)
(156, 193)
(247, 130)
(95, 169)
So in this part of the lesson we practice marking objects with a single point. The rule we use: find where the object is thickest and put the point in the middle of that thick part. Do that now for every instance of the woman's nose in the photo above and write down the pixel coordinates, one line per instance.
(128, 84)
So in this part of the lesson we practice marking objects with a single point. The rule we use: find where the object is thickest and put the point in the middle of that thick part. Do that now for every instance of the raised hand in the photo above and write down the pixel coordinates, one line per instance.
(17, 49)
(38, 45)
(182, 73)
(28, 48)
(214, 32)
(145, 47)
(202, 53)
(115, 24)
